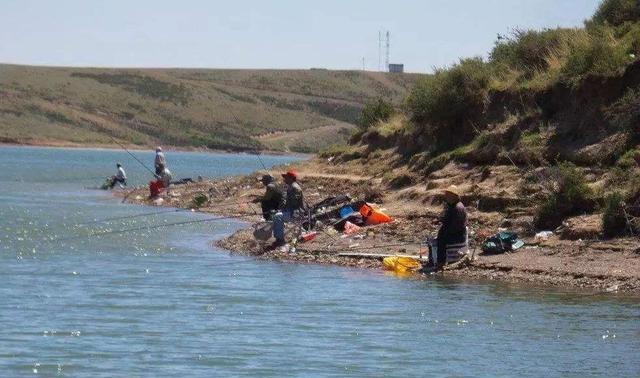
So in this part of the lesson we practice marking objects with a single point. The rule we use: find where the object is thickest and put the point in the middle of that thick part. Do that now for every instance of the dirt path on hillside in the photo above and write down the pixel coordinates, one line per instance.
(604, 266)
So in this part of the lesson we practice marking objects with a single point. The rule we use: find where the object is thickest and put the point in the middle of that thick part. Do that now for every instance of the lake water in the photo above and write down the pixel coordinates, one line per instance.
(168, 303)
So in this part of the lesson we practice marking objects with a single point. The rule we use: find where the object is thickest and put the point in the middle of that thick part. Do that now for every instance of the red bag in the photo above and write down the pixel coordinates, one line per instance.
(155, 188)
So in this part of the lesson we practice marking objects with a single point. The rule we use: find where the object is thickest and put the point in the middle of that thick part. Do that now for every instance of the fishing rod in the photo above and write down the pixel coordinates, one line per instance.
(104, 220)
(257, 151)
(150, 227)
(133, 156)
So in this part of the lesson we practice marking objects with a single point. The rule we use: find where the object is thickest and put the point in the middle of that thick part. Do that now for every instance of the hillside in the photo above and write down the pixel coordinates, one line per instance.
(542, 135)
(286, 110)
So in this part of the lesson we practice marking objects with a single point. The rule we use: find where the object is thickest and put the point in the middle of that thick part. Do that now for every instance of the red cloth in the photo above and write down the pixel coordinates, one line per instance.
(155, 188)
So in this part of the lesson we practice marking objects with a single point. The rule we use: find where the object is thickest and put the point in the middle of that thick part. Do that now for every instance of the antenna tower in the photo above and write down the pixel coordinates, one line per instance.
(387, 52)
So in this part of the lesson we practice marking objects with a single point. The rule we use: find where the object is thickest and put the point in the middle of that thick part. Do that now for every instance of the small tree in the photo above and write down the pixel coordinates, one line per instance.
(572, 196)
(614, 222)
(374, 112)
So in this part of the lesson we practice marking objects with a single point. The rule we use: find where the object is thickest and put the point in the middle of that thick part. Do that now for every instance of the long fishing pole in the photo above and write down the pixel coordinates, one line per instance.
(256, 150)
(104, 220)
(133, 156)
(151, 227)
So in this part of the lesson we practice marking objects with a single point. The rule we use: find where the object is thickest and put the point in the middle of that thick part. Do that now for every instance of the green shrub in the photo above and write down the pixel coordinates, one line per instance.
(526, 50)
(445, 105)
(596, 54)
(571, 196)
(374, 112)
(625, 114)
(614, 222)
(616, 12)
(199, 200)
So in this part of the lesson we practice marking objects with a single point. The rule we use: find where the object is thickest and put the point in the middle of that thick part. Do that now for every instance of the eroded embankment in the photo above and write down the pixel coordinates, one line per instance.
(586, 263)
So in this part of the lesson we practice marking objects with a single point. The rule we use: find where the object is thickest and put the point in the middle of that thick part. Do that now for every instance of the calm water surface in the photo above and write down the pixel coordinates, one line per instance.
(167, 303)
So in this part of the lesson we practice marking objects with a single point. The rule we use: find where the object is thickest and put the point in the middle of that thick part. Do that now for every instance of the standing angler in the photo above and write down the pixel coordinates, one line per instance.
(294, 205)
(273, 199)
(160, 159)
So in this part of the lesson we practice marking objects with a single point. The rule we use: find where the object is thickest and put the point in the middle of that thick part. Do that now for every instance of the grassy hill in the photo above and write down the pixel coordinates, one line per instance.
(287, 110)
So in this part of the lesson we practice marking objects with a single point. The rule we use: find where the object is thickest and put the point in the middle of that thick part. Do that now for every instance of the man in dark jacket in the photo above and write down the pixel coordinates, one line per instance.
(273, 198)
(453, 230)
(294, 204)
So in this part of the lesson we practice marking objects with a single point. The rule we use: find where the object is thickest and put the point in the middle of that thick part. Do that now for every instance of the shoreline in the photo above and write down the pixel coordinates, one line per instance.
(136, 148)
(600, 266)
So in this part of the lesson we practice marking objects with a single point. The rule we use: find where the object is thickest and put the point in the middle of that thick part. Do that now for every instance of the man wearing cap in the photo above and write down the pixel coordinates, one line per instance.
(120, 177)
(272, 200)
(453, 231)
(159, 160)
(294, 203)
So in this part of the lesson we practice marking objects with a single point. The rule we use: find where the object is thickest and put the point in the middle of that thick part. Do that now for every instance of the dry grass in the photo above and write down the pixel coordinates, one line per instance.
(223, 109)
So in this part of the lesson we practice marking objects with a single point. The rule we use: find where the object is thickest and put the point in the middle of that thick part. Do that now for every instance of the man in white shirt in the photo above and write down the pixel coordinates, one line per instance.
(120, 177)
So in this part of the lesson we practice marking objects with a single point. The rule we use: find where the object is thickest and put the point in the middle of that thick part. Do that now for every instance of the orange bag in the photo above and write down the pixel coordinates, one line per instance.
(373, 216)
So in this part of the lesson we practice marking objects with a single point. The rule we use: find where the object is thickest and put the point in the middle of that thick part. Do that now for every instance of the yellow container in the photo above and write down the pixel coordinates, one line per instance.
(400, 264)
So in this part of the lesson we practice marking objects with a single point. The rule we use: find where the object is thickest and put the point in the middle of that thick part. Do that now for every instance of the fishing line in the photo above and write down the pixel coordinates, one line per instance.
(151, 227)
(153, 213)
(133, 156)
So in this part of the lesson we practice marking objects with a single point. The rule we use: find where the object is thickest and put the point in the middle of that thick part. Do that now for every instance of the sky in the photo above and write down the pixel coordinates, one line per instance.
(333, 34)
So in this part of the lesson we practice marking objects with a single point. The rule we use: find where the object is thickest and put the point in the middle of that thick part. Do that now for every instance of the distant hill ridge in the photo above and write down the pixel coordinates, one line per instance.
(228, 109)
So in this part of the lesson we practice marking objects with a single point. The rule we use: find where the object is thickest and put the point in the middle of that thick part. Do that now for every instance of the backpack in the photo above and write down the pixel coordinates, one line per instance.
(503, 241)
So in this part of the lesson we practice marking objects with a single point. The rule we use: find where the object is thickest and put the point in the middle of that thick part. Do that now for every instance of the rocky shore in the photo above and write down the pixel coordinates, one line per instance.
(559, 260)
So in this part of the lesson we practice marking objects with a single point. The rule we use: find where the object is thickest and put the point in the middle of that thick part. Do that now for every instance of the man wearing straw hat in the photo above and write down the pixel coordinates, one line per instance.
(453, 230)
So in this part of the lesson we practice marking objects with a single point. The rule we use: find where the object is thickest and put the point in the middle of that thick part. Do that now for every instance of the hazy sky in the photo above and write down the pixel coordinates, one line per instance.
(334, 34)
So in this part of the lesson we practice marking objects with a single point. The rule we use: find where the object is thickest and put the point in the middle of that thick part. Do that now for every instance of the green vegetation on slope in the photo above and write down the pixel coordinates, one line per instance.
(560, 102)
(288, 110)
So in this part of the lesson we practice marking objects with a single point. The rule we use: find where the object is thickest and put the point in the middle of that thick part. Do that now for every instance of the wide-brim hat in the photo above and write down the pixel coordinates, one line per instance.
(453, 190)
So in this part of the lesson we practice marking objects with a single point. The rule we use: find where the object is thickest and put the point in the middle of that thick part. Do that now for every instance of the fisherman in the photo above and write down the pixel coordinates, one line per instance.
(453, 231)
(160, 159)
(294, 205)
(164, 175)
(273, 199)
(163, 180)
(119, 178)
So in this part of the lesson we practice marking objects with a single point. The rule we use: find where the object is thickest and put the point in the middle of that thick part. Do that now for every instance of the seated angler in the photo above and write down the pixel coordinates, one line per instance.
(273, 199)
(452, 235)
(119, 178)
(294, 206)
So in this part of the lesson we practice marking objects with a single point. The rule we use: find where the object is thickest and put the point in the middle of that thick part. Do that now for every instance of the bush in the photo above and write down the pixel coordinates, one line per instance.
(198, 200)
(526, 50)
(598, 53)
(374, 112)
(616, 12)
(625, 114)
(614, 222)
(446, 104)
(571, 196)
